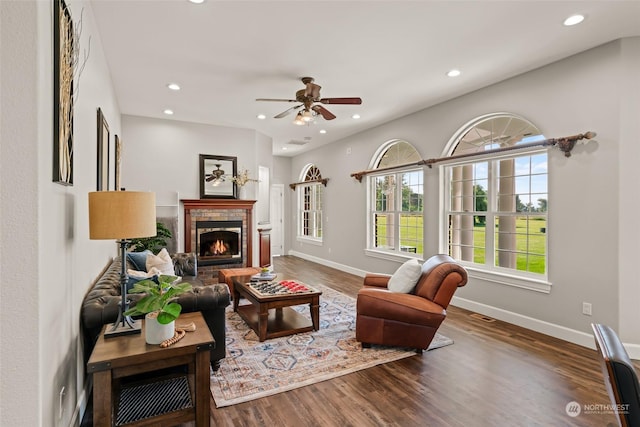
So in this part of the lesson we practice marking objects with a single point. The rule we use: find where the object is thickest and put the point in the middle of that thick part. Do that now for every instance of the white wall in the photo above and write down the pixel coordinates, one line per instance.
(160, 155)
(48, 261)
(629, 201)
(592, 230)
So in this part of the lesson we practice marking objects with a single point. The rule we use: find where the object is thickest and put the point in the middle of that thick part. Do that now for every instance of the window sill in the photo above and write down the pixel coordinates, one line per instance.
(529, 283)
(391, 256)
(309, 240)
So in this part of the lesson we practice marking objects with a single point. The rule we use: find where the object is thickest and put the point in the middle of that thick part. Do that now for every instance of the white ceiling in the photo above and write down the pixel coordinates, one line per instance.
(392, 54)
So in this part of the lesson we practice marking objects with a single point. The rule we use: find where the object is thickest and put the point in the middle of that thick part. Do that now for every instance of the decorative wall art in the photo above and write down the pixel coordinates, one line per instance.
(215, 177)
(63, 74)
(118, 160)
(103, 153)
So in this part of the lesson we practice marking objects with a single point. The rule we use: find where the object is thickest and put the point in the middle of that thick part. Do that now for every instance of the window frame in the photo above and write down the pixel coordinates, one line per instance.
(489, 271)
(397, 254)
(316, 216)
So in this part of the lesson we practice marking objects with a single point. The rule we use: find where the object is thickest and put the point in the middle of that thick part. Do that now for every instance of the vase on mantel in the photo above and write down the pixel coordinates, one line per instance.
(156, 332)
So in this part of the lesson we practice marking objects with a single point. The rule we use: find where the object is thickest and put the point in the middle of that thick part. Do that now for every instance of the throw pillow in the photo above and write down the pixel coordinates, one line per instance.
(136, 276)
(404, 280)
(162, 262)
(139, 259)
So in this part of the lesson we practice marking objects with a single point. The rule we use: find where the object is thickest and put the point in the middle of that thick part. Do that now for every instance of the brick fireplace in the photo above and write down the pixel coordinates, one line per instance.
(211, 224)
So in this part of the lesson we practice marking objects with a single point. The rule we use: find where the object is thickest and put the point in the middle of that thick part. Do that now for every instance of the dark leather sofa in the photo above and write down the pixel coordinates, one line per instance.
(101, 303)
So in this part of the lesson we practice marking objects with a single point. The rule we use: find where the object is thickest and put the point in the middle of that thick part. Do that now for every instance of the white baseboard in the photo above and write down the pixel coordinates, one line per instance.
(561, 332)
(557, 331)
(81, 404)
(337, 266)
(547, 328)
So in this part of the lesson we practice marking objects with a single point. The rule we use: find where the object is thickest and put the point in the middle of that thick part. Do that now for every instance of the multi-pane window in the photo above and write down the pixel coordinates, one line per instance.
(310, 205)
(496, 212)
(311, 210)
(397, 200)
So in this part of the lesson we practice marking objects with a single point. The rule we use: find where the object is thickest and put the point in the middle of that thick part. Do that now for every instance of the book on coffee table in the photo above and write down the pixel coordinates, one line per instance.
(263, 276)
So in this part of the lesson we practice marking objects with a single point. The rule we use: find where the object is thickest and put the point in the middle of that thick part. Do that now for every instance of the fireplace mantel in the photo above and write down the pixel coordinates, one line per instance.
(217, 205)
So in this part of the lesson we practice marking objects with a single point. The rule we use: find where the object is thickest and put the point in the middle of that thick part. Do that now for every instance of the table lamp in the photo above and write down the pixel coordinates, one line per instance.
(122, 215)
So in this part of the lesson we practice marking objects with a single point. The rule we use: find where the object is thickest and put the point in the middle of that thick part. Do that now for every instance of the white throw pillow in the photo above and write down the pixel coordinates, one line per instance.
(406, 277)
(144, 274)
(162, 262)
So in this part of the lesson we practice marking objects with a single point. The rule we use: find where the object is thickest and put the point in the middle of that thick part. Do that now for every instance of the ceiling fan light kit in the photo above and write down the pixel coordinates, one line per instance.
(309, 99)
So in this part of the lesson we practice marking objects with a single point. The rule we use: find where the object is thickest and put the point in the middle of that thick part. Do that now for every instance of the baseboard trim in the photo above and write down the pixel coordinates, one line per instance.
(561, 332)
(337, 266)
(82, 403)
(557, 331)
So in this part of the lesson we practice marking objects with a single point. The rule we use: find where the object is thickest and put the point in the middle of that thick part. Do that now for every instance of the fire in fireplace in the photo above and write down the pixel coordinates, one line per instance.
(219, 242)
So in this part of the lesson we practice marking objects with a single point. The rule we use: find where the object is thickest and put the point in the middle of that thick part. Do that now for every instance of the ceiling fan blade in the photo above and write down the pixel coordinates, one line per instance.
(276, 100)
(286, 112)
(355, 101)
(209, 178)
(326, 114)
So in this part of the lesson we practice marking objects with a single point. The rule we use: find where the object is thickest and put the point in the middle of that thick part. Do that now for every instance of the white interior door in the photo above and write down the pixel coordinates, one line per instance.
(277, 219)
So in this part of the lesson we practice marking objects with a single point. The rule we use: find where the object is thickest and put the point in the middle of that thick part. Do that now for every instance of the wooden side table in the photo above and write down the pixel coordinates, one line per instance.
(132, 386)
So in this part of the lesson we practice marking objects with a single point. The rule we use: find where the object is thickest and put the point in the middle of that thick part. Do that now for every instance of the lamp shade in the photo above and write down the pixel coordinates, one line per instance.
(122, 214)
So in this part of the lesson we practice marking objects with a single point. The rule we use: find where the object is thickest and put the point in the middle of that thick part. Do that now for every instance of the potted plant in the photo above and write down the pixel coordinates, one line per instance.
(153, 243)
(158, 306)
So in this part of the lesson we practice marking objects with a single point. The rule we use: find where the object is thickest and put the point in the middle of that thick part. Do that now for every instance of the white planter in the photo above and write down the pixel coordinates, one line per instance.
(154, 332)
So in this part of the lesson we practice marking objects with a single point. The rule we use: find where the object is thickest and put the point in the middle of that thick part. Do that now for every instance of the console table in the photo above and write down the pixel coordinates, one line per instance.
(137, 384)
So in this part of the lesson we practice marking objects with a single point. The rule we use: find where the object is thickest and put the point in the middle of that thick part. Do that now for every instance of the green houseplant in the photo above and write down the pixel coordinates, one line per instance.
(159, 306)
(153, 243)
(159, 298)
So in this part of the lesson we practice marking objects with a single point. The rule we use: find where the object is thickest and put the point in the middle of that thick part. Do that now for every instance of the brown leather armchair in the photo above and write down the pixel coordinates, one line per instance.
(407, 319)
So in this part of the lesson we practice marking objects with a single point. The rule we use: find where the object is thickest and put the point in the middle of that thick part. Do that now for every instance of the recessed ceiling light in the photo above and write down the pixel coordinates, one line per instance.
(453, 73)
(323, 131)
(284, 148)
(168, 112)
(197, 1)
(573, 20)
(261, 116)
(173, 86)
(355, 116)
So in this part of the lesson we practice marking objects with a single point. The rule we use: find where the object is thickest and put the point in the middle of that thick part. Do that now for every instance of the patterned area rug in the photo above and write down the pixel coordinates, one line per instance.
(254, 369)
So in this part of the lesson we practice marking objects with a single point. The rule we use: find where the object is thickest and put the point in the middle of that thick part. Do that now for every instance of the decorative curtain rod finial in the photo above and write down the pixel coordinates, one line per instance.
(566, 144)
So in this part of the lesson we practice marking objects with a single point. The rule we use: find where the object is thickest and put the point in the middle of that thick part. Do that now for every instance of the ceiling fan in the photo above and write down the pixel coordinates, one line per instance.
(309, 99)
(216, 175)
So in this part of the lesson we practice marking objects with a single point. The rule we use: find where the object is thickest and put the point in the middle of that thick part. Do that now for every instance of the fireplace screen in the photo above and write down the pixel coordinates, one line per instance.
(219, 242)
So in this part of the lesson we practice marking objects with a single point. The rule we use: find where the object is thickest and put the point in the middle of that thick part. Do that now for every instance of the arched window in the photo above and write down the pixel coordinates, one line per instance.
(310, 205)
(396, 200)
(496, 205)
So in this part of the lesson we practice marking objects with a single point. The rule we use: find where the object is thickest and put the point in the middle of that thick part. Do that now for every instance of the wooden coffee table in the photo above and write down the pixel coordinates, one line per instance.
(271, 315)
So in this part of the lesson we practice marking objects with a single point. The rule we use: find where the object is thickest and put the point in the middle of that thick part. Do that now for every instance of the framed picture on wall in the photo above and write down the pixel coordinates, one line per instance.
(118, 160)
(103, 153)
(215, 177)
(63, 69)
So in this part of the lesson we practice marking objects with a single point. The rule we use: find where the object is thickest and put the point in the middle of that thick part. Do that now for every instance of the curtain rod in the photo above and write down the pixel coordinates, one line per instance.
(321, 180)
(565, 144)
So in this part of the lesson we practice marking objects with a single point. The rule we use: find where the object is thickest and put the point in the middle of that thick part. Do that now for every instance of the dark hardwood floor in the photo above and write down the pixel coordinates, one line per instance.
(495, 374)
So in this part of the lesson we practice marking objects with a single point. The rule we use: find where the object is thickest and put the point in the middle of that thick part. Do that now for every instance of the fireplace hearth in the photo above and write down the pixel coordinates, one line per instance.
(219, 242)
